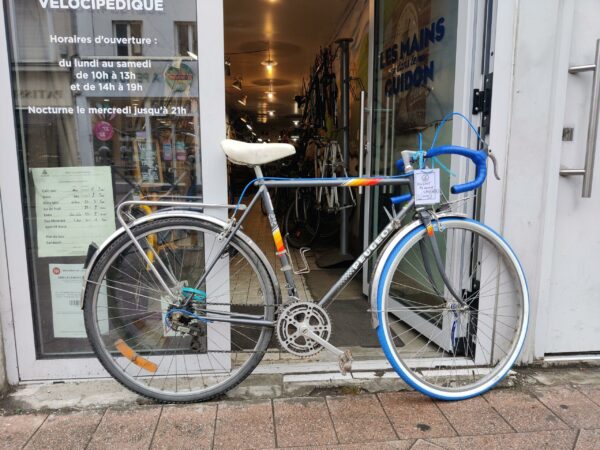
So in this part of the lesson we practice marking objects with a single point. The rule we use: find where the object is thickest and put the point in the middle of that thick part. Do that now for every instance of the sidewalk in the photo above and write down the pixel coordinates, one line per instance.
(553, 409)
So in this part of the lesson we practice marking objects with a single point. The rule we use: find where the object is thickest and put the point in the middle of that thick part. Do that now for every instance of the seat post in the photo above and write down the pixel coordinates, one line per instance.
(258, 171)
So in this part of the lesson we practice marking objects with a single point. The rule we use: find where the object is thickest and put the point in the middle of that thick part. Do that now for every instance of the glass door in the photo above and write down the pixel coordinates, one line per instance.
(106, 100)
(424, 68)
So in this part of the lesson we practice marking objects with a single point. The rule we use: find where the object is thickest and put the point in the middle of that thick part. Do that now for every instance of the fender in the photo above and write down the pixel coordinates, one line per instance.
(186, 215)
(389, 247)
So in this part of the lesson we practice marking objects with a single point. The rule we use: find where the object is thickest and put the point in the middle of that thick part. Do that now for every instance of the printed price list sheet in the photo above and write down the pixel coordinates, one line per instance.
(74, 207)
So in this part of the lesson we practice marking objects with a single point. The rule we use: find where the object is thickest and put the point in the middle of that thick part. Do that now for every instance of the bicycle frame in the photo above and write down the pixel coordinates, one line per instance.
(281, 251)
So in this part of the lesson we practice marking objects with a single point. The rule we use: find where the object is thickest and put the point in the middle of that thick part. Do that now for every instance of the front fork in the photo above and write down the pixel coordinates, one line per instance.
(427, 221)
(461, 319)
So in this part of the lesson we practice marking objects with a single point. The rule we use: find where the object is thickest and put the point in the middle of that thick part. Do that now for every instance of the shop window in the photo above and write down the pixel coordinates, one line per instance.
(186, 38)
(95, 127)
(128, 30)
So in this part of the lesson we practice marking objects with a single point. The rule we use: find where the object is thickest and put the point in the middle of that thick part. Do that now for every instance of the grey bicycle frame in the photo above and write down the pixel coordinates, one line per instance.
(265, 184)
(282, 253)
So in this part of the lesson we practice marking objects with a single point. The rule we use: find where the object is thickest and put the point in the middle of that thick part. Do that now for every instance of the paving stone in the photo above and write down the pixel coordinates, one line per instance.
(474, 416)
(415, 416)
(303, 422)
(571, 406)
(126, 429)
(588, 440)
(245, 425)
(16, 430)
(591, 392)
(185, 427)
(425, 445)
(562, 439)
(72, 431)
(523, 411)
(360, 419)
(391, 445)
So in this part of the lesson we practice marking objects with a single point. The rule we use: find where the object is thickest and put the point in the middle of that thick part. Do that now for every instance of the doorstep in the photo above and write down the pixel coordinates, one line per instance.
(272, 381)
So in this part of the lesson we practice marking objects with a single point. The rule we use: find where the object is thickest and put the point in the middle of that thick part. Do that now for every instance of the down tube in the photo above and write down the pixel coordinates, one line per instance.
(369, 251)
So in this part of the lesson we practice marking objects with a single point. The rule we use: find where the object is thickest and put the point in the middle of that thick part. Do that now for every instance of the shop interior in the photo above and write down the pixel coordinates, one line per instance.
(284, 80)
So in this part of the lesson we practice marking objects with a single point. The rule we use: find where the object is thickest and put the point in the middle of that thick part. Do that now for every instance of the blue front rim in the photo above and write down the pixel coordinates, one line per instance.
(390, 352)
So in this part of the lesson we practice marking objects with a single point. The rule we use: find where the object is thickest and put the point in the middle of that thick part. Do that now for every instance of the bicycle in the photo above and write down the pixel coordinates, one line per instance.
(448, 295)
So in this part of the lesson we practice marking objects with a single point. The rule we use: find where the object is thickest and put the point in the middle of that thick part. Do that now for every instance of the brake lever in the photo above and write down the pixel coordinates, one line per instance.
(491, 155)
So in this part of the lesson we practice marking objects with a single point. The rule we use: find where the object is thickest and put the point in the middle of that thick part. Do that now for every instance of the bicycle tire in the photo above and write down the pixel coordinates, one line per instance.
(177, 345)
(464, 354)
(302, 222)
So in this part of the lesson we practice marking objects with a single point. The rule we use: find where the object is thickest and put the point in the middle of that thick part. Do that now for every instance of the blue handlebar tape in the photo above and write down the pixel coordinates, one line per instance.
(478, 157)
(401, 199)
(400, 165)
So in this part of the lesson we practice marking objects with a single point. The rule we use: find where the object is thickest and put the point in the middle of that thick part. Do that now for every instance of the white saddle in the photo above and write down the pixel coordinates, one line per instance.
(255, 154)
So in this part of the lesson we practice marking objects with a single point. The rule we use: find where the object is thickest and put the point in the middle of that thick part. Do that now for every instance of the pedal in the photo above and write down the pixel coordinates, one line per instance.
(345, 362)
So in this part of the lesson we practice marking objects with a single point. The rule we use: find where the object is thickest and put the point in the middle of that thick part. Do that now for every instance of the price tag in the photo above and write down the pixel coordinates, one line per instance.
(427, 186)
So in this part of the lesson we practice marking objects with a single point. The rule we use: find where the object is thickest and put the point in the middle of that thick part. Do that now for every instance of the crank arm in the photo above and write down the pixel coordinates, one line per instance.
(344, 357)
(329, 347)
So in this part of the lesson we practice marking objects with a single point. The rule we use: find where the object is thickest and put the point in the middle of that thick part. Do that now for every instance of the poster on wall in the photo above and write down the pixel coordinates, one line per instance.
(74, 207)
(67, 316)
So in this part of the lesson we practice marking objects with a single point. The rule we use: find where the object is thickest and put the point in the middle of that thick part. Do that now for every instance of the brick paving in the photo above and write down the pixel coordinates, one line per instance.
(537, 417)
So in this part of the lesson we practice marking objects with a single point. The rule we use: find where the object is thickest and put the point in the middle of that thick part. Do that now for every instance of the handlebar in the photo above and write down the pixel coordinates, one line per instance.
(479, 158)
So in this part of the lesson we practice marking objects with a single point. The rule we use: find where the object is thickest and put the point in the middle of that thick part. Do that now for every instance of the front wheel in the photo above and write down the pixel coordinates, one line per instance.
(449, 348)
(161, 344)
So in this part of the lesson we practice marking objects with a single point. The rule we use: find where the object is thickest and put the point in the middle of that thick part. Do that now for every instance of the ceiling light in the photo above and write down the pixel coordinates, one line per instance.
(270, 93)
(296, 123)
(243, 119)
(272, 113)
(243, 100)
(249, 126)
(193, 55)
(269, 63)
(237, 83)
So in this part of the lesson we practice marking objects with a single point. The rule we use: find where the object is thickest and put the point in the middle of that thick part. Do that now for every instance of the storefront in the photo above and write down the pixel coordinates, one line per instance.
(113, 100)
(107, 107)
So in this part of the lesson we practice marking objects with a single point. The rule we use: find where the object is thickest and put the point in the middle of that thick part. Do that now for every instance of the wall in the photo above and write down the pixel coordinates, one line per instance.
(525, 135)
(4, 299)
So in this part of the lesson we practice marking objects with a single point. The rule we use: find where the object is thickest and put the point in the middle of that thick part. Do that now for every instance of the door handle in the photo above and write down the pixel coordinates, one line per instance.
(588, 170)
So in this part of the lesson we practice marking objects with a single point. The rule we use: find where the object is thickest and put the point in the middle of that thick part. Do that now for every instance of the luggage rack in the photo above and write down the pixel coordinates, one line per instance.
(171, 203)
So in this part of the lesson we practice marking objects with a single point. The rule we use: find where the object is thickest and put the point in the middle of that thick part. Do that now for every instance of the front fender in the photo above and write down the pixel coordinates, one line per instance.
(186, 215)
(383, 257)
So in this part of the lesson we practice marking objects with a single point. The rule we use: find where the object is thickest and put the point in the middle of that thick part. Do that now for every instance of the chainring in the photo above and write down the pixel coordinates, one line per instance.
(290, 337)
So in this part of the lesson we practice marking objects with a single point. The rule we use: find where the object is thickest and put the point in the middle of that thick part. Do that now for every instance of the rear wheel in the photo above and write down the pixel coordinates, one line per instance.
(445, 348)
(150, 340)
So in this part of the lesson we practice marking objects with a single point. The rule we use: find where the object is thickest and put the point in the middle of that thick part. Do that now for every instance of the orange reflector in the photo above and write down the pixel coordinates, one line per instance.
(132, 356)
(430, 230)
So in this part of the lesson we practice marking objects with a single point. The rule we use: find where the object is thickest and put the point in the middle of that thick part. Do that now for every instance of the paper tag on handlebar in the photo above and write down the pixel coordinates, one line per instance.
(427, 186)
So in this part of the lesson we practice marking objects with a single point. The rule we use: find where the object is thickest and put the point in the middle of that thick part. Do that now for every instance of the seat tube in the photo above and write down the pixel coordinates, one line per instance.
(280, 250)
